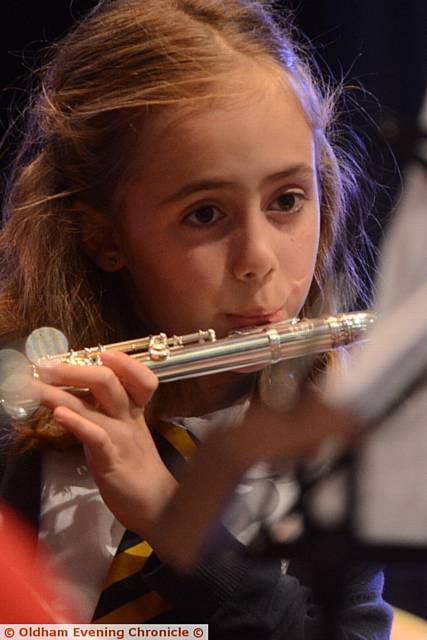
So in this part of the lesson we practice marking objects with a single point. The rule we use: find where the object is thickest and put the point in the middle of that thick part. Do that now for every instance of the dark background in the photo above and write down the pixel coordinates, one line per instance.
(379, 46)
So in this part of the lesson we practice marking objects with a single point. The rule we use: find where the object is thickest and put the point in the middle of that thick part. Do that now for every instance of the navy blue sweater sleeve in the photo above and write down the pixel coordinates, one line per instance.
(248, 598)
(363, 610)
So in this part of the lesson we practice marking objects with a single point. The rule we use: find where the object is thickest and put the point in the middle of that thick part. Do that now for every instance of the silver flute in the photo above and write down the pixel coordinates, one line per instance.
(201, 353)
(180, 357)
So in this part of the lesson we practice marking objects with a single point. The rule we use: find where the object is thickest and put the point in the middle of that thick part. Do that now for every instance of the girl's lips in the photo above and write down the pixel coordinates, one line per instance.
(237, 321)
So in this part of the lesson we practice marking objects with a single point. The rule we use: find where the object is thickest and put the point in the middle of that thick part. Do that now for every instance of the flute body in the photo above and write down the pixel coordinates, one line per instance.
(263, 346)
(182, 357)
(201, 354)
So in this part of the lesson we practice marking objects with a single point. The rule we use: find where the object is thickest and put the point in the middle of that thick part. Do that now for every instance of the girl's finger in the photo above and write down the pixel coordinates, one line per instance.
(91, 435)
(52, 397)
(139, 382)
(102, 382)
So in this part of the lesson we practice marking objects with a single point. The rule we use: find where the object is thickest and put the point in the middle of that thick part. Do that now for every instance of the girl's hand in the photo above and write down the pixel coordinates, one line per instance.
(278, 438)
(293, 435)
(120, 451)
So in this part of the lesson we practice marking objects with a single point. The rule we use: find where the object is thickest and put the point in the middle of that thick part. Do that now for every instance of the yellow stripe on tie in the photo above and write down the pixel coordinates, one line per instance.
(134, 559)
(142, 609)
(127, 562)
(179, 438)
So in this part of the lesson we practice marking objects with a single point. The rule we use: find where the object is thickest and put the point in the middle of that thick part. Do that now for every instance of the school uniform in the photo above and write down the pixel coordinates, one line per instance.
(238, 595)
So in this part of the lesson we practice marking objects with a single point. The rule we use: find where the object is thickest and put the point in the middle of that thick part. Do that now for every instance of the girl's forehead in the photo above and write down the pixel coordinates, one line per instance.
(255, 91)
(239, 138)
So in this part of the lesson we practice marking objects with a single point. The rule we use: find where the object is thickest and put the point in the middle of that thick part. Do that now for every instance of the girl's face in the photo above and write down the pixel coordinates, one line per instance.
(221, 229)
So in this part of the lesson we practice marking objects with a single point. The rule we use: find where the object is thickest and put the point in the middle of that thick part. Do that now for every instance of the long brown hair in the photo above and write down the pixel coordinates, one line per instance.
(124, 59)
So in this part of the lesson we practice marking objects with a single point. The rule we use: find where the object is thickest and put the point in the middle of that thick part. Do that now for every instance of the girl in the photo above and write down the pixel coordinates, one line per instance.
(178, 173)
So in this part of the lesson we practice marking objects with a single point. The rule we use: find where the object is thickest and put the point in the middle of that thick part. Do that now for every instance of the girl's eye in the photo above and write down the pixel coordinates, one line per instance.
(203, 216)
(288, 202)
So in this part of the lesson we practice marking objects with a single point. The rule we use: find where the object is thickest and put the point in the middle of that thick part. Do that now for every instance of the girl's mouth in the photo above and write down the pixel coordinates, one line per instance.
(254, 319)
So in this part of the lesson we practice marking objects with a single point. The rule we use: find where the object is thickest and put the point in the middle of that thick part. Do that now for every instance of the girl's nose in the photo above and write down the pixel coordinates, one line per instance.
(254, 256)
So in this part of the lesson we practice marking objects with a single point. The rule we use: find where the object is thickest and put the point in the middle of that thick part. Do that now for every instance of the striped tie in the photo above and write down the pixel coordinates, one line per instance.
(123, 599)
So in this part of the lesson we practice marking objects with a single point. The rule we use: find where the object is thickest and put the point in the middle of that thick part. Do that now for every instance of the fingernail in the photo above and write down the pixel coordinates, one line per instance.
(59, 414)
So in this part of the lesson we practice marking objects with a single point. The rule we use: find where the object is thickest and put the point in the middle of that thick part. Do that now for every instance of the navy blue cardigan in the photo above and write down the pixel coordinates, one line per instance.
(241, 597)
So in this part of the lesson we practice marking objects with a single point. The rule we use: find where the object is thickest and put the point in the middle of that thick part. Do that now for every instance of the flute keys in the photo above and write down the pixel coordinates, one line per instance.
(158, 347)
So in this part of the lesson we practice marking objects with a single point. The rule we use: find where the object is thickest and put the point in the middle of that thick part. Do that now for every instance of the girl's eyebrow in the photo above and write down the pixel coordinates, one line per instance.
(302, 170)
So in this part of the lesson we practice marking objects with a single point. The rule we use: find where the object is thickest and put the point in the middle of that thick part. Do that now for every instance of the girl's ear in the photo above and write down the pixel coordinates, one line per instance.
(99, 238)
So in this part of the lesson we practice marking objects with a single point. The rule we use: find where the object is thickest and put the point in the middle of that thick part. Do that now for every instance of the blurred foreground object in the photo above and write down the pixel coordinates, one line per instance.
(26, 597)
(408, 627)
(387, 384)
